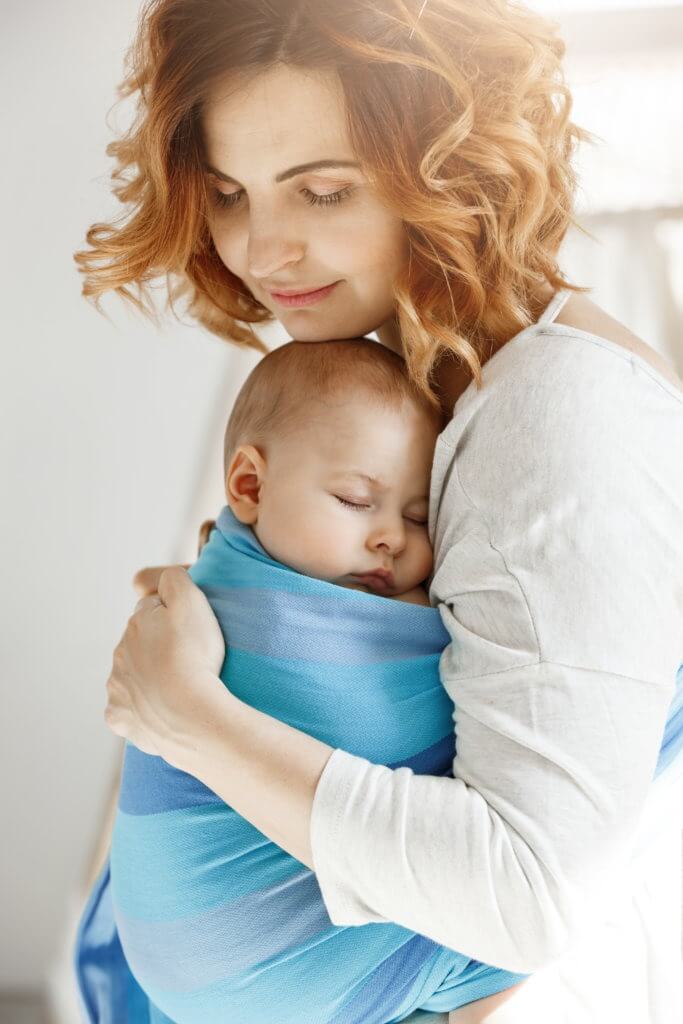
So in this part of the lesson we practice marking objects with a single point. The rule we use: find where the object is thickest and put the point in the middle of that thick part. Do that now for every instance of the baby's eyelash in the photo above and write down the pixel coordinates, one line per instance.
(354, 505)
(350, 504)
(229, 200)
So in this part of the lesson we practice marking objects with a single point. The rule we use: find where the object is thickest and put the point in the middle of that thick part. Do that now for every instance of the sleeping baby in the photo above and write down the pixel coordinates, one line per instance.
(334, 481)
(328, 452)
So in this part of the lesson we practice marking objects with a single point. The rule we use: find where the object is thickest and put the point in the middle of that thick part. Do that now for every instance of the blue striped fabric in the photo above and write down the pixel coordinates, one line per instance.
(670, 758)
(199, 917)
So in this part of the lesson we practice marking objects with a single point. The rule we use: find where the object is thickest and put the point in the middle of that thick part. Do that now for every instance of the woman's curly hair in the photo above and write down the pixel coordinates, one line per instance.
(461, 117)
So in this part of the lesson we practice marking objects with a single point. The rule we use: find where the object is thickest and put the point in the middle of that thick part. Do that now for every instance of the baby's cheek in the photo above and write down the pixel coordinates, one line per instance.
(314, 548)
(427, 555)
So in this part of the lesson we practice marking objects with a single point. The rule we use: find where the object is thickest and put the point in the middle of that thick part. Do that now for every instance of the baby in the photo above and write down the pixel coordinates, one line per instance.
(327, 463)
(334, 479)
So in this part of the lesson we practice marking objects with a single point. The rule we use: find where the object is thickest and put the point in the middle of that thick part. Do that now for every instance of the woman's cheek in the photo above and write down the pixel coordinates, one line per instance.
(227, 242)
(225, 249)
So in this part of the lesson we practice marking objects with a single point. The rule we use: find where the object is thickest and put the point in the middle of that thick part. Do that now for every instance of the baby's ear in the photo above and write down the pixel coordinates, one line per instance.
(243, 483)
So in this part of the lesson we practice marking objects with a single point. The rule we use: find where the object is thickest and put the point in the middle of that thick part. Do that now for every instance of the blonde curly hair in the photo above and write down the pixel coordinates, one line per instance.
(461, 117)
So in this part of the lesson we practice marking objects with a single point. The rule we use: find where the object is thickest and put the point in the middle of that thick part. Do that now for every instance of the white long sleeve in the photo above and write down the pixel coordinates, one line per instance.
(556, 514)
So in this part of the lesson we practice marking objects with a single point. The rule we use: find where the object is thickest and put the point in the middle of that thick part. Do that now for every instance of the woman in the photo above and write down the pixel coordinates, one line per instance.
(419, 171)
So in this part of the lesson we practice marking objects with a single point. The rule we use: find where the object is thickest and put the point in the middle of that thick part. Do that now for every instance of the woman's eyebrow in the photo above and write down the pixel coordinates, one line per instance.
(291, 173)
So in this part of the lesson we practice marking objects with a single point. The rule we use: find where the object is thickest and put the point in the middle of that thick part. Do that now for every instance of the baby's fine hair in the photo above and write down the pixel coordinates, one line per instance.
(280, 392)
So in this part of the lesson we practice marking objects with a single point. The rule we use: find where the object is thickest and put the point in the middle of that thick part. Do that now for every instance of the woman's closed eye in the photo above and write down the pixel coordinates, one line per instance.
(228, 200)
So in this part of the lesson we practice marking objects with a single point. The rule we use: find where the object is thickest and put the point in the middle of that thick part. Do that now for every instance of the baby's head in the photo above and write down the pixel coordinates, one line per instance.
(312, 424)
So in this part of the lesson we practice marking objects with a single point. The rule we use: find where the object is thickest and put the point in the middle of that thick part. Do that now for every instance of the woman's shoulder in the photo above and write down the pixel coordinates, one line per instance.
(578, 349)
(580, 361)
(583, 317)
(579, 382)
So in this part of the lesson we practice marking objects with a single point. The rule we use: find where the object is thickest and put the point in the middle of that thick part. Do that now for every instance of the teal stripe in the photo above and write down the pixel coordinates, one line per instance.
(387, 715)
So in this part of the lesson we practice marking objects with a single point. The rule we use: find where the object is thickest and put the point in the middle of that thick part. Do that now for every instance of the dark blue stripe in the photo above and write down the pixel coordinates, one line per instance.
(150, 785)
(381, 997)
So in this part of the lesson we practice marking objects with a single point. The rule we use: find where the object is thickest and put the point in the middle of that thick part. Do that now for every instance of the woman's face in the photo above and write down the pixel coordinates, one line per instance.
(309, 229)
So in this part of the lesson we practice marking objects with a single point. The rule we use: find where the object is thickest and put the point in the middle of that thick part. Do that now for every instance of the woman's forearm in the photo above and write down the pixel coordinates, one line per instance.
(263, 768)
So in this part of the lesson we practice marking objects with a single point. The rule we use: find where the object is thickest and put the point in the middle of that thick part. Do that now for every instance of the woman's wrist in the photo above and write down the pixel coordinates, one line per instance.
(191, 749)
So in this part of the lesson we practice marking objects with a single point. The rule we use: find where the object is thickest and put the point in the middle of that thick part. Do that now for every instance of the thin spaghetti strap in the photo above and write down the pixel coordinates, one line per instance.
(554, 306)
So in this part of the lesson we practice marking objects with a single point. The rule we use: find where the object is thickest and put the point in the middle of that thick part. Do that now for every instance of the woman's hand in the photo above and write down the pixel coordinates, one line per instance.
(164, 684)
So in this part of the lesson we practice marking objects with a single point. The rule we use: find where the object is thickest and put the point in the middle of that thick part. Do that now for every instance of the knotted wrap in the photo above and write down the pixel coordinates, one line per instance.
(199, 917)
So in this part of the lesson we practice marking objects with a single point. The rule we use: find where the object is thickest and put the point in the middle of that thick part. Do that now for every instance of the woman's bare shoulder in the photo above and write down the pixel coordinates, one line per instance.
(580, 312)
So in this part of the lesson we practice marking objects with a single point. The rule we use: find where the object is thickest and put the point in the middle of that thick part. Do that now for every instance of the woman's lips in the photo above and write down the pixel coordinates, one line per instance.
(304, 298)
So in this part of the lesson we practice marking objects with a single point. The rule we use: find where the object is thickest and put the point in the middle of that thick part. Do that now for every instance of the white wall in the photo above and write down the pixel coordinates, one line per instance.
(103, 444)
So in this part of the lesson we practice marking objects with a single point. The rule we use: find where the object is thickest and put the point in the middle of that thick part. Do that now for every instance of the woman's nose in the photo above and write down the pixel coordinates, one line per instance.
(270, 250)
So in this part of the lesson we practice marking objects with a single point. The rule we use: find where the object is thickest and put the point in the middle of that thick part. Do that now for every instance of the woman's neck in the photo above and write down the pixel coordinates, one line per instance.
(453, 377)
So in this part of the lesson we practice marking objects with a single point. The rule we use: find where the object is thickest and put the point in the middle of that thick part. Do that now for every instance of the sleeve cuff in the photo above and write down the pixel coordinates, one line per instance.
(343, 776)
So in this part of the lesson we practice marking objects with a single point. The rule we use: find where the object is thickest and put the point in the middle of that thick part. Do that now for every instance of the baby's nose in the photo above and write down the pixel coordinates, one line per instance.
(390, 537)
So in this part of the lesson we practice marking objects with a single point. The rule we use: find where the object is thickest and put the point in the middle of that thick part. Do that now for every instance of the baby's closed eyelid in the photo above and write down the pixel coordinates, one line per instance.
(360, 504)
(351, 504)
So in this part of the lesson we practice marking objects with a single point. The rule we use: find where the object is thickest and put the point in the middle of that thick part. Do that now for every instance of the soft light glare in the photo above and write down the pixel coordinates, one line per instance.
(569, 6)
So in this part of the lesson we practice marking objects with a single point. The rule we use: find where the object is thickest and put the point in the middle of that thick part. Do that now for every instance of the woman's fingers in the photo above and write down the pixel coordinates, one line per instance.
(146, 581)
(167, 662)
(149, 600)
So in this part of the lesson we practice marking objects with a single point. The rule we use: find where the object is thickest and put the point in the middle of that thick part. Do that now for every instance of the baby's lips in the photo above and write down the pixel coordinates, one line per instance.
(375, 582)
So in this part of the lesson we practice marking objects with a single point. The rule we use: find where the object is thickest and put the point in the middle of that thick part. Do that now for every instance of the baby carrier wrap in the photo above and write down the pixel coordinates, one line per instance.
(199, 917)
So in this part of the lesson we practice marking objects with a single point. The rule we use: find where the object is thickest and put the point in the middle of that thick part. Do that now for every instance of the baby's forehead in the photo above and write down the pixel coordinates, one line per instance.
(373, 450)
(352, 473)
(360, 408)
(358, 426)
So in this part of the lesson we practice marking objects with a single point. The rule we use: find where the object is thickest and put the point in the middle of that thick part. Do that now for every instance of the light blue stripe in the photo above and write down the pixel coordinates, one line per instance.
(323, 628)
(305, 989)
(182, 862)
(266, 927)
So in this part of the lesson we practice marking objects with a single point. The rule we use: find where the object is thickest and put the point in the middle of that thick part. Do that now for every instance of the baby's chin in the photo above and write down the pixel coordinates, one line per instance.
(399, 591)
